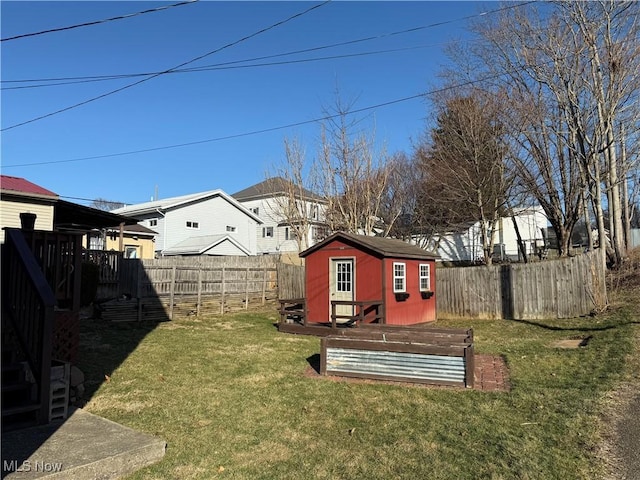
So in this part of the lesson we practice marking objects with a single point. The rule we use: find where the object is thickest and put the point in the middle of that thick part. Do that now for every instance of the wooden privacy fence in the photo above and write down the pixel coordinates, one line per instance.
(291, 281)
(109, 271)
(197, 286)
(158, 289)
(563, 288)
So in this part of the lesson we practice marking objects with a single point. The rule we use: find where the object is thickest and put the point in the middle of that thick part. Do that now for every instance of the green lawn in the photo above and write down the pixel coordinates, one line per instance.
(231, 398)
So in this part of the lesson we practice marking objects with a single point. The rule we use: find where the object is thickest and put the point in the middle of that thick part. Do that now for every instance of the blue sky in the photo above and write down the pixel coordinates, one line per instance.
(206, 106)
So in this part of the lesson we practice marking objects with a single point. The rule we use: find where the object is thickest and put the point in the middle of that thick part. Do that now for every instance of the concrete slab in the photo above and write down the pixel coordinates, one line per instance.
(84, 446)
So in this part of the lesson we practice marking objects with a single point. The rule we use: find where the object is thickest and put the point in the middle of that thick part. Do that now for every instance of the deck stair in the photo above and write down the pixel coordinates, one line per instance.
(19, 400)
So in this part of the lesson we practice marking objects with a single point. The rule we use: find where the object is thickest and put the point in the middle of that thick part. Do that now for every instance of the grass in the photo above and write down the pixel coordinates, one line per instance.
(231, 398)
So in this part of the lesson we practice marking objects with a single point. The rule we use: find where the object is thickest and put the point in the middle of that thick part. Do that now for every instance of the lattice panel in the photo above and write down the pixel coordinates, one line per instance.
(66, 336)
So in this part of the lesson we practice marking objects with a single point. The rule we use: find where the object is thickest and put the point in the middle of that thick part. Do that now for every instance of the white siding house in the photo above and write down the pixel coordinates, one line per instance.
(276, 234)
(466, 245)
(206, 223)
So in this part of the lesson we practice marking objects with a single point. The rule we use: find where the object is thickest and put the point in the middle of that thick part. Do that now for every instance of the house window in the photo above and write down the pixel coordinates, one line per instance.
(425, 277)
(286, 233)
(399, 277)
(193, 224)
(267, 232)
(256, 210)
(319, 233)
(153, 222)
(231, 228)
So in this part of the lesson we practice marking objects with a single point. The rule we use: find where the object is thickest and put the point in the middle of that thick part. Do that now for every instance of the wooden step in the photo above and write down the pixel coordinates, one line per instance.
(14, 387)
(30, 407)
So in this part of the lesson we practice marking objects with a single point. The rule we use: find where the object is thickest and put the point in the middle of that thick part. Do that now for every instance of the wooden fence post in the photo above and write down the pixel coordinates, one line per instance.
(199, 291)
(222, 293)
(264, 285)
(246, 289)
(139, 277)
(173, 290)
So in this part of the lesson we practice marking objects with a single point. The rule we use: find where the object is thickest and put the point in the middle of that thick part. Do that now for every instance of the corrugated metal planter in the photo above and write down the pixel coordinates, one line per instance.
(425, 358)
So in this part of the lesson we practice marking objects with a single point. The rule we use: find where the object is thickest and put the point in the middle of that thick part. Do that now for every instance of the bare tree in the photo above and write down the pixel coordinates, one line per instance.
(570, 72)
(355, 178)
(296, 203)
(463, 165)
(399, 201)
(106, 205)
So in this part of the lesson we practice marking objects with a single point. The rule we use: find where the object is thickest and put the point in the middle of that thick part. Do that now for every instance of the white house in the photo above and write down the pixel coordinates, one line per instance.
(268, 199)
(206, 223)
(466, 244)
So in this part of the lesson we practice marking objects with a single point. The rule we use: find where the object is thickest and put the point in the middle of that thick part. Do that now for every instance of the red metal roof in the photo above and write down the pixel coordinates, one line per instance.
(17, 184)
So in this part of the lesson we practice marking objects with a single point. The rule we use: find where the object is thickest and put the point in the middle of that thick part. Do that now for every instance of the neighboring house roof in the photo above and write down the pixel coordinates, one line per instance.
(69, 215)
(136, 229)
(273, 187)
(66, 215)
(23, 187)
(200, 244)
(175, 202)
(379, 246)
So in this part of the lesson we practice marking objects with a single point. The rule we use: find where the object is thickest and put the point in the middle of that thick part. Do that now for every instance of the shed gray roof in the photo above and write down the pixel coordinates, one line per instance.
(382, 247)
(272, 187)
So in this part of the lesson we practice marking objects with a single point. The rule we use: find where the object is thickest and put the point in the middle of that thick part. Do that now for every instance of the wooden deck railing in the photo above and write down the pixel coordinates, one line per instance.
(29, 302)
(59, 256)
(369, 311)
(294, 309)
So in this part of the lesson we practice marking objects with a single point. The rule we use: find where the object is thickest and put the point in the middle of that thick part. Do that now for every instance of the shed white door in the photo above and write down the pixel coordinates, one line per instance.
(342, 285)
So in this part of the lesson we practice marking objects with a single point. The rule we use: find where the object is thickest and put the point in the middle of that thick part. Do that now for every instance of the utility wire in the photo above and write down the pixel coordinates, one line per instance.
(266, 130)
(247, 37)
(227, 66)
(96, 22)
(270, 129)
(295, 52)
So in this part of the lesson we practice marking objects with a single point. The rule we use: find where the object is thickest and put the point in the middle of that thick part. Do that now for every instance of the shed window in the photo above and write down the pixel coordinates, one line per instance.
(399, 277)
(344, 276)
(193, 224)
(267, 232)
(425, 277)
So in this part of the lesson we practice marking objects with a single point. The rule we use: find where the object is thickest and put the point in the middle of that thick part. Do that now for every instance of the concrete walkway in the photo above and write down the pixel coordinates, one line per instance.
(628, 440)
(85, 446)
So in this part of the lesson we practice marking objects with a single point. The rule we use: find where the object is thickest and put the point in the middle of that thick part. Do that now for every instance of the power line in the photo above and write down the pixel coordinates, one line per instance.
(295, 52)
(226, 66)
(271, 129)
(96, 22)
(247, 37)
(265, 130)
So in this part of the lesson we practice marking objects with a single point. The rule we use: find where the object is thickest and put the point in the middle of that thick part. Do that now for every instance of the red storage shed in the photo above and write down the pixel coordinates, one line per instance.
(352, 268)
